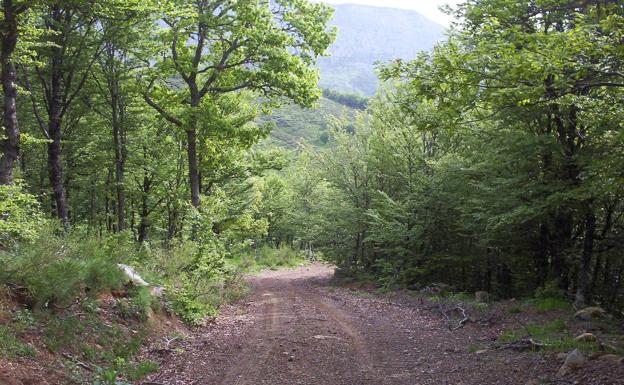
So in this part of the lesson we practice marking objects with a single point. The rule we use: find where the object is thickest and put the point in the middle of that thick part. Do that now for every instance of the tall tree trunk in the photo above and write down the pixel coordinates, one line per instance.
(55, 171)
(193, 160)
(10, 145)
(120, 161)
(55, 165)
(144, 222)
(582, 291)
(193, 166)
(118, 123)
(144, 214)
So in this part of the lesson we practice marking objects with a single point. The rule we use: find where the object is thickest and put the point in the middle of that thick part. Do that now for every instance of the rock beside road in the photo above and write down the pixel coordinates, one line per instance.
(586, 337)
(590, 313)
(573, 361)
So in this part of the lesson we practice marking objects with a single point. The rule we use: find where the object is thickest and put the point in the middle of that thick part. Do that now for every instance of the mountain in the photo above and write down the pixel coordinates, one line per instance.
(370, 34)
(366, 35)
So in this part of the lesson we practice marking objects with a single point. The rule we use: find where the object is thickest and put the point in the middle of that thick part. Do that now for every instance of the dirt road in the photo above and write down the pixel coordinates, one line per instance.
(296, 329)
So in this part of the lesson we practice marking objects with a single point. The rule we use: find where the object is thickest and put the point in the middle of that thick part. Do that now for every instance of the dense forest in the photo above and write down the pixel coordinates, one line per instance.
(493, 162)
(130, 125)
(135, 132)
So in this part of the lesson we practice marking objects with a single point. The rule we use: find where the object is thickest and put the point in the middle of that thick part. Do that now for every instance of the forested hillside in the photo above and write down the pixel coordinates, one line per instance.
(293, 125)
(495, 163)
(155, 154)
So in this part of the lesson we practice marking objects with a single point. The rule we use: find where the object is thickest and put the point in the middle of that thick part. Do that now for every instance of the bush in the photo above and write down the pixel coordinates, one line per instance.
(55, 270)
(267, 257)
(550, 290)
(194, 274)
(548, 304)
(11, 346)
(20, 217)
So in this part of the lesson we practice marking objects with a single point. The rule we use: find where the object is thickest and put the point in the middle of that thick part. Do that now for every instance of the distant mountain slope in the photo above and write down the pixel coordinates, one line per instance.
(294, 125)
(369, 34)
(366, 35)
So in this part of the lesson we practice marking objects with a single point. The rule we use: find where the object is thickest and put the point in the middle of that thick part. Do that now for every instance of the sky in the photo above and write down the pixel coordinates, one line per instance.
(427, 8)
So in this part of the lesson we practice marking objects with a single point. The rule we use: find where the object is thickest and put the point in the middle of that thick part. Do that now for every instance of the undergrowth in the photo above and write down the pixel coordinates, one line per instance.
(265, 257)
(555, 336)
(61, 278)
(11, 346)
(54, 271)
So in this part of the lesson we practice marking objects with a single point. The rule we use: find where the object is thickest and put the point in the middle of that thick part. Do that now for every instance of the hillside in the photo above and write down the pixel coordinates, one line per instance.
(294, 125)
(367, 35)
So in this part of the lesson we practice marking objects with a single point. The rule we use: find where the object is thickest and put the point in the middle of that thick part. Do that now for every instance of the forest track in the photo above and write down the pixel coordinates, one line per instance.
(297, 329)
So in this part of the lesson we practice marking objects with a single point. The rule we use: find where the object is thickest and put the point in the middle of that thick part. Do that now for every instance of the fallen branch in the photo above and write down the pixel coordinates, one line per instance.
(463, 321)
(77, 362)
(465, 318)
(525, 343)
(169, 341)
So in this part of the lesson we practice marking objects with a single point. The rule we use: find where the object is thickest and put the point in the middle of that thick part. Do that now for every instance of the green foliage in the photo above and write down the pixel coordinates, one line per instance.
(137, 305)
(549, 290)
(553, 334)
(20, 216)
(61, 333)
(550, 297)
(295, 125)
(191, 306)
(487, 163)
(11, 346)
(55, 270)
(194, 274)
(546, 304)
(350, 100)
(108, 376)
(122, 368)
(141, 369)
(267, 257)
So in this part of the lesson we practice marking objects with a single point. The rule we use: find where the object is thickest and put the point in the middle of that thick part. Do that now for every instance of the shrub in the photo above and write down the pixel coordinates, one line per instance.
(11, 346)
(267, 257)
(141, 370)
(55, 270)
(548, 304)
(190, 306)
(20, 217)
(550, 290)
(194, 274)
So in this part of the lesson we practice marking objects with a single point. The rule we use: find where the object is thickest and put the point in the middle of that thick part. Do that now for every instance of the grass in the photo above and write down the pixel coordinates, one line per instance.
(140, 370)
(515, 310)
(554, 334)
(543, 305)
(11, 346)
(270, 258)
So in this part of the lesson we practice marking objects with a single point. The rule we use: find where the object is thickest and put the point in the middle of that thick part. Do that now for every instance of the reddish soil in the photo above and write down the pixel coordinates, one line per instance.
(298, 329)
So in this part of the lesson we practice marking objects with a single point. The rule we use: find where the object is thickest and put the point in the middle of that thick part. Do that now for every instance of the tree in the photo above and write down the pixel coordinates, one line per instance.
(536, 73)
(116, 96)
(215, 47)
(10, 25)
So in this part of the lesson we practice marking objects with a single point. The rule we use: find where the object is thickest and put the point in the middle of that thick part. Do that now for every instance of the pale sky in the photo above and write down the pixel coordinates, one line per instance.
(428, 8)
